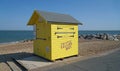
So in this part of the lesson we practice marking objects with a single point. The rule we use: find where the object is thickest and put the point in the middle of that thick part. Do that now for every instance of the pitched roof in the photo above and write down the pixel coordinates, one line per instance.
(56, 17)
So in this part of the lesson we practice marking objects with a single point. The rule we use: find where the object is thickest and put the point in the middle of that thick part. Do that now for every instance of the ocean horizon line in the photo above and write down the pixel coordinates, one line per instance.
(78, 30)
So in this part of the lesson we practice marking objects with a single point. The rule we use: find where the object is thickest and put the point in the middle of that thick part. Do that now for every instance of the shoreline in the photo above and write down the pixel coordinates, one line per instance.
(79, 36)
(102, 36)
(14, 42)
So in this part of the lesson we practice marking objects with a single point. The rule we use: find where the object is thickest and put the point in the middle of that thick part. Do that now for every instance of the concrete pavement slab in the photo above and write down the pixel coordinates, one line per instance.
(33, 62)
(110, 62)
(4, 67)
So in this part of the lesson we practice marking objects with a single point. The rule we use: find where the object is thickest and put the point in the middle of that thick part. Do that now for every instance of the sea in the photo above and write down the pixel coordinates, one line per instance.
(17, 36)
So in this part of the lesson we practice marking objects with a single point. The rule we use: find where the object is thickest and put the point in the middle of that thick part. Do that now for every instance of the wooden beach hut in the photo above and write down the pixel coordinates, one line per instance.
(56, 34)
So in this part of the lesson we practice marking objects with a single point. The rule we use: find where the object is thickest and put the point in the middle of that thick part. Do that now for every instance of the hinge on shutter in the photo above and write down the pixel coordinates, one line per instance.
(59, 28)
(59, 36)
(71, 28)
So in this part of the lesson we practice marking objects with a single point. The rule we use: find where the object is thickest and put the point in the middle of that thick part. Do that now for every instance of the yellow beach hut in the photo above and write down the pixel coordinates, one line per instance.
(56, 34)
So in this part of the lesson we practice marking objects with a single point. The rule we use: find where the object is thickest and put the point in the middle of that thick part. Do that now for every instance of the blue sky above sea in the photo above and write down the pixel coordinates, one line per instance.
(94, 14)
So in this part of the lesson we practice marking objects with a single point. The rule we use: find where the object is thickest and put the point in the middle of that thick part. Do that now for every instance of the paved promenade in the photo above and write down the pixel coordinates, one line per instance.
(110, 62)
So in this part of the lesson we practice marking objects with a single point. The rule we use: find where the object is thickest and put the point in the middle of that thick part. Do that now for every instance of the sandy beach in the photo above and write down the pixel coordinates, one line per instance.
(91, 47)
(16, 47)
(24, 49)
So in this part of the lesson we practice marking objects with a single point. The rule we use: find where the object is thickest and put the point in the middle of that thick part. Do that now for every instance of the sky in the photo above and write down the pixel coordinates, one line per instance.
(94, 14)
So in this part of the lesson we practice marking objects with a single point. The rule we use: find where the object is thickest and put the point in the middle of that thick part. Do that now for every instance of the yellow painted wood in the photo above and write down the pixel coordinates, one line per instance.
(53, 43)
(42, 44)
(35, 18)
(53, 40)
(65, 45)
